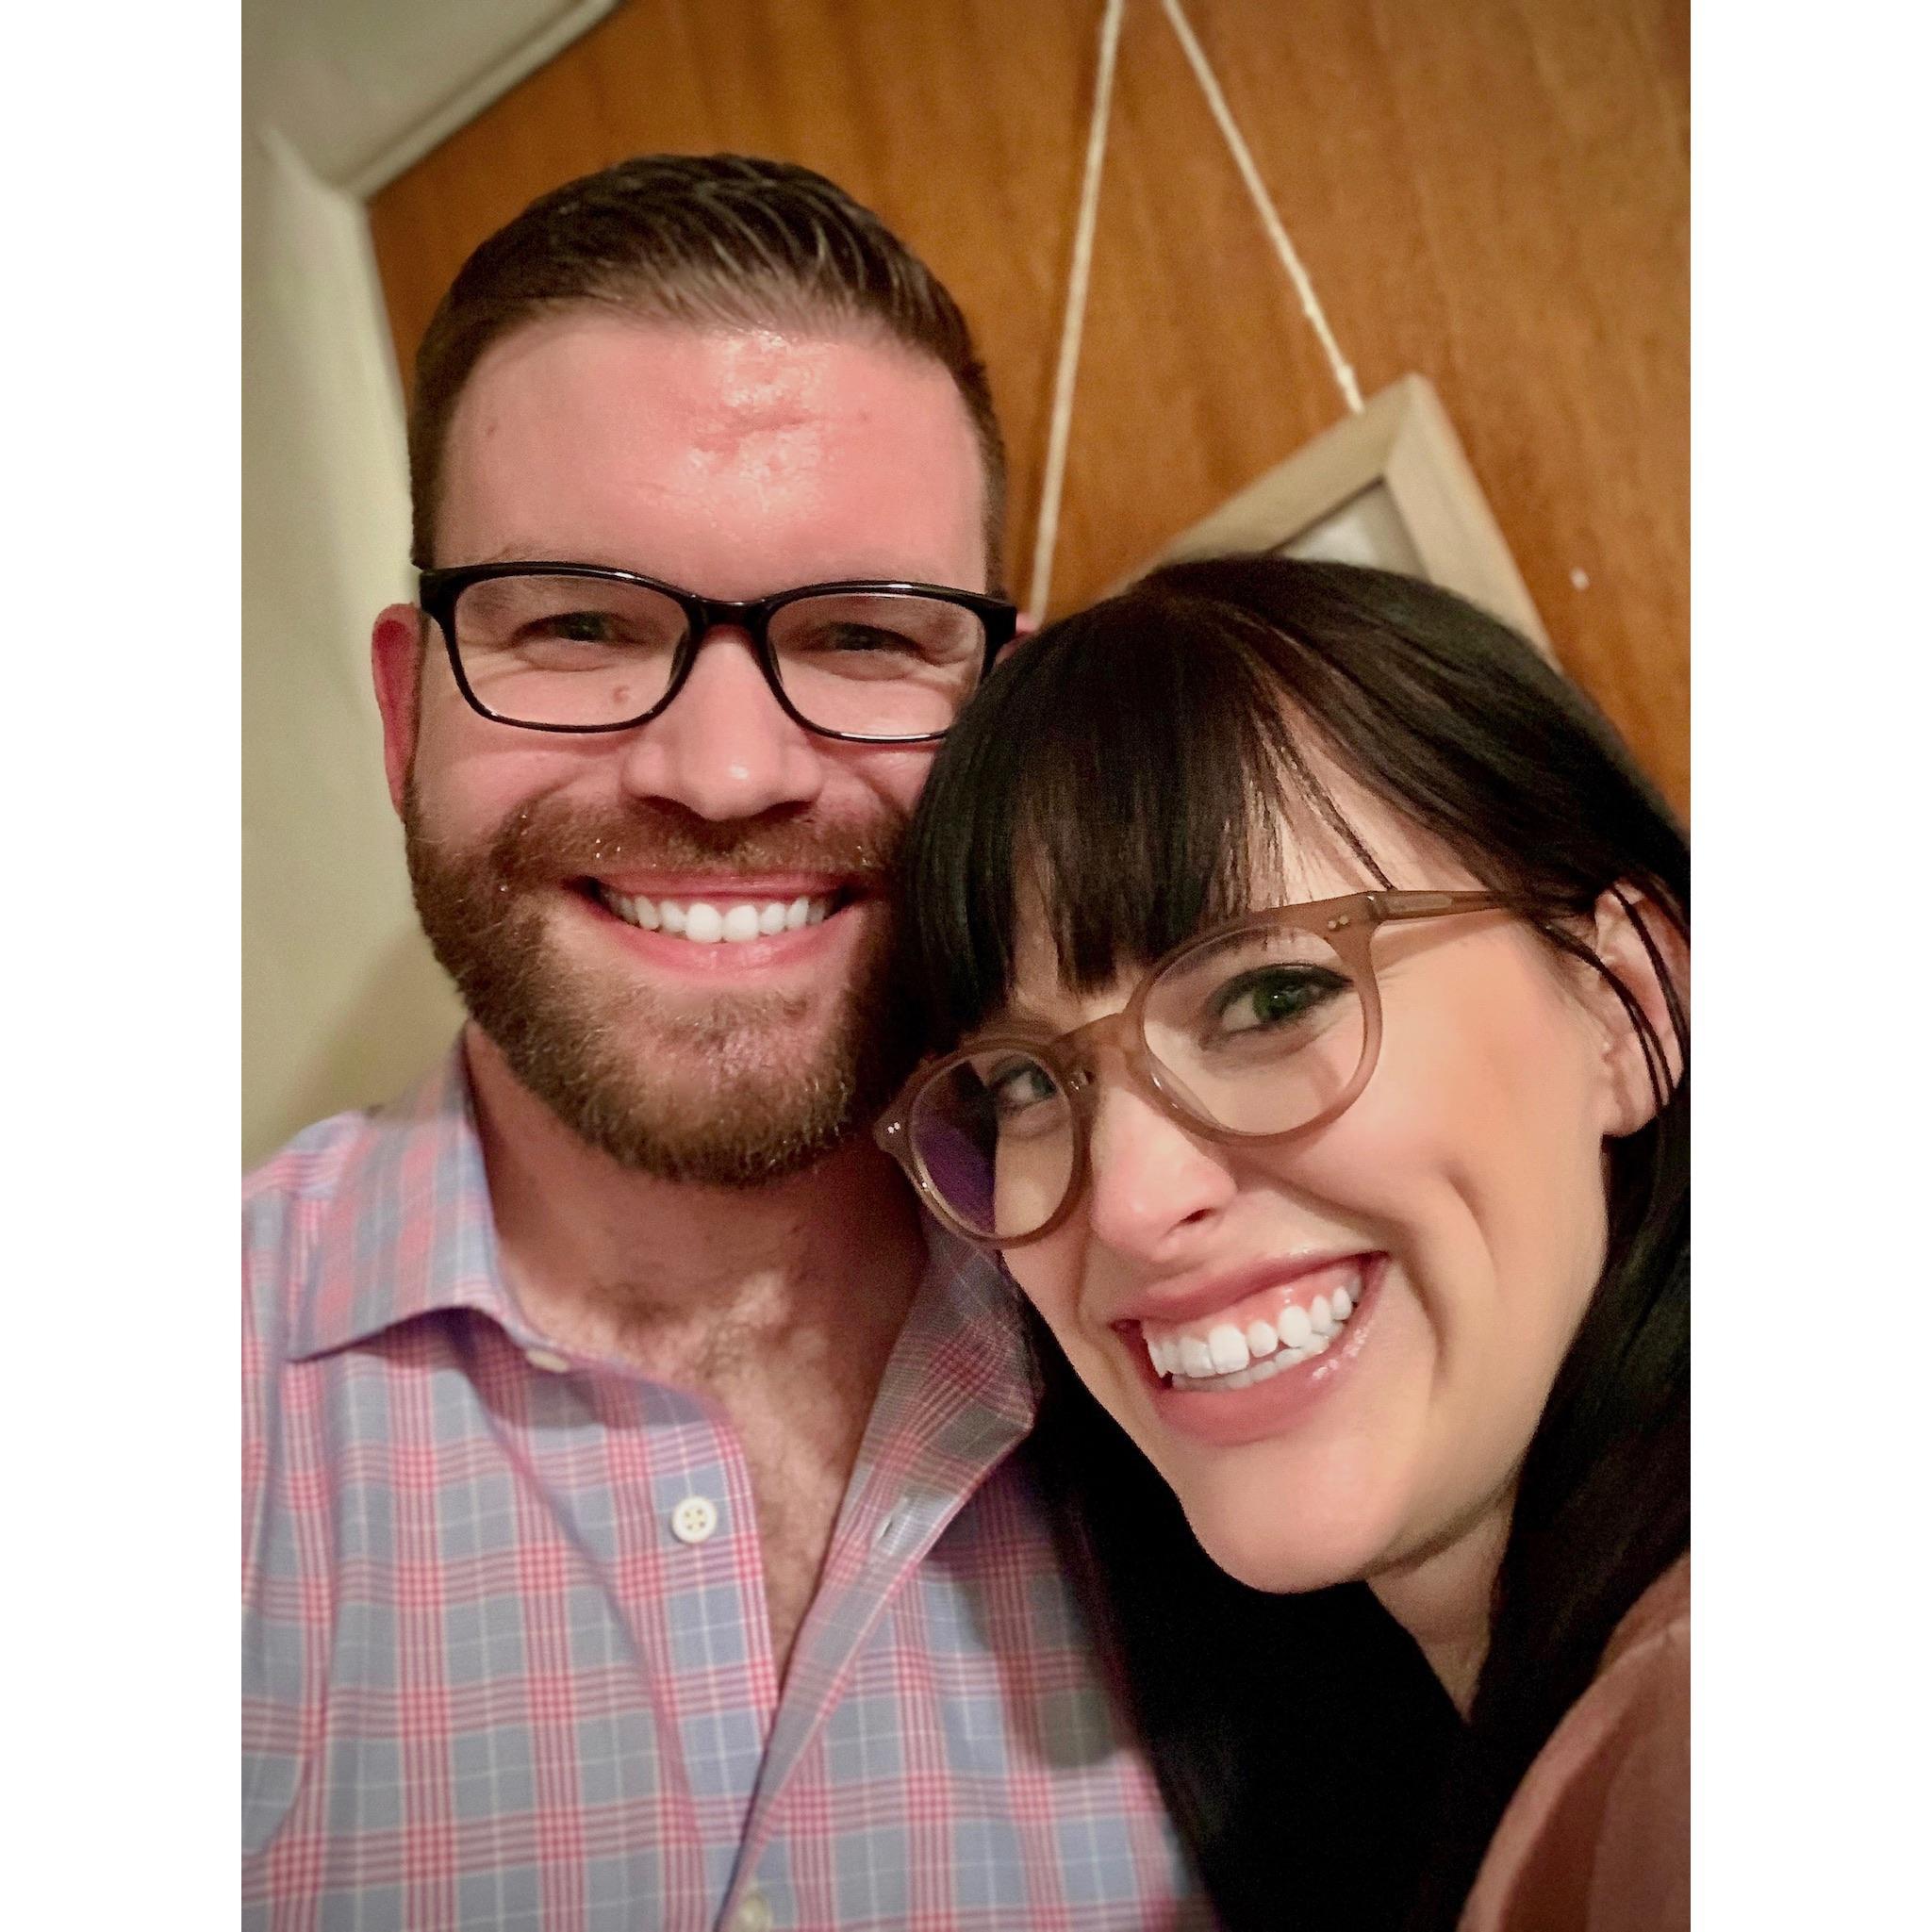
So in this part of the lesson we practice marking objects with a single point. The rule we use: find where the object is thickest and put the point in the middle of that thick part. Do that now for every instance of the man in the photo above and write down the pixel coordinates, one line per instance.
(634, 1532)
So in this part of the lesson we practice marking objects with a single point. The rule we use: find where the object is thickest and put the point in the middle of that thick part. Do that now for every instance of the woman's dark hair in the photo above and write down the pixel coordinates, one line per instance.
(1142, 764)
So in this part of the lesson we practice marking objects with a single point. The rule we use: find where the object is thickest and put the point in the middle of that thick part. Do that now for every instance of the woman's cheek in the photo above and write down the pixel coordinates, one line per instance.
(1044, 1272)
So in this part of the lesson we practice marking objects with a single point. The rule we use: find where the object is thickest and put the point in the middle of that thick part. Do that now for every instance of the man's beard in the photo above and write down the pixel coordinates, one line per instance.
(718, 1089)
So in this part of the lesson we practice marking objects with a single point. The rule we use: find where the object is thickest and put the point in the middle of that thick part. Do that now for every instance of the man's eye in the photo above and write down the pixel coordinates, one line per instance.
(863, 638)
(578, 627)
(1272, 998)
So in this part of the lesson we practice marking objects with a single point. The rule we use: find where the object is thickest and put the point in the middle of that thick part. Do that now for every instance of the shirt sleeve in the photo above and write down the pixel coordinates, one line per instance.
(1641, 1867)
(1598, 1837)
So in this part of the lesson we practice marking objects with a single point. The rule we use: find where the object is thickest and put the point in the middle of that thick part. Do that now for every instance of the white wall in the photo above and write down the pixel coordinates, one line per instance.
(363, 88)
(342, 1003)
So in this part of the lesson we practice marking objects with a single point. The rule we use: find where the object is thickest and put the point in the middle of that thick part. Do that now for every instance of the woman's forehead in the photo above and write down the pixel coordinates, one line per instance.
(1294, 857)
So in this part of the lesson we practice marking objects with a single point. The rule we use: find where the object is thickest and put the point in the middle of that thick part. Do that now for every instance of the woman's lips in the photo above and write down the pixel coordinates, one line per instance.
(1241, 1407)
(1290, 1309)
(1184, 1298)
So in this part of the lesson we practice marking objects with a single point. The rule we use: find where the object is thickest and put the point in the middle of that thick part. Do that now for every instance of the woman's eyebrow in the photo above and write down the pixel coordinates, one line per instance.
(1016, 1016)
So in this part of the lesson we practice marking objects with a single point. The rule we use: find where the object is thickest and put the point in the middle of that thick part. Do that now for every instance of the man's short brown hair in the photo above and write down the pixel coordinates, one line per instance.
(711, 241)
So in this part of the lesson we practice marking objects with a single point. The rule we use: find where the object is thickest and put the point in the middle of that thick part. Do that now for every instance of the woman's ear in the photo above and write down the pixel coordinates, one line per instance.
(1652, 960)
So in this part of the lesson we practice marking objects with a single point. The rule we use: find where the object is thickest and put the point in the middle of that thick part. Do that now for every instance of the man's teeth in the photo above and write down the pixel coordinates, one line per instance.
(1228, 1356)
(707, 922)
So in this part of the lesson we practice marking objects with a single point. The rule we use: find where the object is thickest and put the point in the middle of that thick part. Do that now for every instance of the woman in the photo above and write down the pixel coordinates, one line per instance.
(1366, 1220)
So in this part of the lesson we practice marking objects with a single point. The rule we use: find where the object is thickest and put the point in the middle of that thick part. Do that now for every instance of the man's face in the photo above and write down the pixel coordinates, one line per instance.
(551, 871)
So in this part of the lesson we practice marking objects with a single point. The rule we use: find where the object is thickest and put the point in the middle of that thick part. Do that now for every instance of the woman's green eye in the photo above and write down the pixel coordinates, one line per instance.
(1271, 997)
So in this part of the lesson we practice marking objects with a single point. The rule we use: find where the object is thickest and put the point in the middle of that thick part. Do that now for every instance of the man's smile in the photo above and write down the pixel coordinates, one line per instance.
(716, 918)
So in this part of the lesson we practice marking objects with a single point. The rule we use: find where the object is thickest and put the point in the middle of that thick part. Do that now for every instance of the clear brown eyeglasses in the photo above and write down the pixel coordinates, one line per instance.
(1264, 1026)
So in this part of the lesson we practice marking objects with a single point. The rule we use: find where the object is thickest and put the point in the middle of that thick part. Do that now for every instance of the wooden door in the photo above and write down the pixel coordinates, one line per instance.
(1494, 193)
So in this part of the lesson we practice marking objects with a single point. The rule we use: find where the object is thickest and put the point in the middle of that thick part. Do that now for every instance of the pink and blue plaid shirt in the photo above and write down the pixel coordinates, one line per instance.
(507, 1659)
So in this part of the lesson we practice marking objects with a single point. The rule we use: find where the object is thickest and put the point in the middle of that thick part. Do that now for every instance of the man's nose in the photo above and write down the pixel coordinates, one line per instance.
(724, 748)
(1153, 1183)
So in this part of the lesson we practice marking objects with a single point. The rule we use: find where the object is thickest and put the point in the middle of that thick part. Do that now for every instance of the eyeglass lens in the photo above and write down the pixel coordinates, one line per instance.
(1259, 1031)
(591, 651)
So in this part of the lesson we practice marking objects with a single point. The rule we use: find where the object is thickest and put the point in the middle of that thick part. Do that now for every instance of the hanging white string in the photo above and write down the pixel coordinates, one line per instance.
(1060, 424)
(1073, 322)
(1217, 106)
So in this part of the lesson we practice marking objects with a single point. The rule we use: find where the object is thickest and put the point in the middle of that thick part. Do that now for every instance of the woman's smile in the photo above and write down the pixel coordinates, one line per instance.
(1269, 1313)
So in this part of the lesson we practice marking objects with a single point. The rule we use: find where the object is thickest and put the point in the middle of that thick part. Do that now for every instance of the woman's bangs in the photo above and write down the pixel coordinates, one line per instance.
(1159, 781)
(1161, 800)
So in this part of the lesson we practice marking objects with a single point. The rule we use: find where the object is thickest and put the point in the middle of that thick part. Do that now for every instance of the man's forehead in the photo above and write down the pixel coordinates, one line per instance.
(749, 365)
(714, 387)
(591, 429)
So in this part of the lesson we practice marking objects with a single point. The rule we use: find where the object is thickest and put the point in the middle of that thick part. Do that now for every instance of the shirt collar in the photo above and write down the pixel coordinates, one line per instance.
(408, 1230)
(964, 1331)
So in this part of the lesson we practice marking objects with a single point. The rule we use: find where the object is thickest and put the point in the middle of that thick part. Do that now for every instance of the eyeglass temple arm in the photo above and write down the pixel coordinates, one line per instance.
(1387, 907)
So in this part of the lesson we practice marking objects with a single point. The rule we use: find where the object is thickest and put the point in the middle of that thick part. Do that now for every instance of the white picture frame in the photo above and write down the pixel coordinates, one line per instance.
(1390, 486)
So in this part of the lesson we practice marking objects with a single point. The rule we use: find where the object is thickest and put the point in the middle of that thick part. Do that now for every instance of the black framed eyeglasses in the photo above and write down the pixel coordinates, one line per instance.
(581, 648)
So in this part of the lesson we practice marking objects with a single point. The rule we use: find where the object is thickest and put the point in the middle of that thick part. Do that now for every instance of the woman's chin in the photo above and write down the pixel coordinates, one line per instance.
(1256, 1548)
(1289, 1516)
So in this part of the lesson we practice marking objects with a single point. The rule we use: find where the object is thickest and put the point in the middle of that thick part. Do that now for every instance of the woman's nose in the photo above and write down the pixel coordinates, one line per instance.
(1153, 1183)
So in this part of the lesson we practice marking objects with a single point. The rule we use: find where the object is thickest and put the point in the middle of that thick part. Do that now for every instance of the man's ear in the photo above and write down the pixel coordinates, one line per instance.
(1023, 629)
(395, 659)
(1655, 975)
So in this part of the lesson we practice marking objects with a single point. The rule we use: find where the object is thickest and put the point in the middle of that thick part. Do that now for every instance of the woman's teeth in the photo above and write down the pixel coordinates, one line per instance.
(1235, 1354)
(708, 922)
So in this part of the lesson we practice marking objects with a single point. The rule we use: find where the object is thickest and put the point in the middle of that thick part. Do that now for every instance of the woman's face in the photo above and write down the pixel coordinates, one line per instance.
(1457, 1208)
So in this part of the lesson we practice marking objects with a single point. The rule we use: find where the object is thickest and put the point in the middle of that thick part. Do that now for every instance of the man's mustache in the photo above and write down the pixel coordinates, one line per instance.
(545, 840)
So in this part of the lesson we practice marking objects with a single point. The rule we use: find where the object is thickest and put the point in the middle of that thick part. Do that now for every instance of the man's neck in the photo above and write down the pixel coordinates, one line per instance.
(779, 1304)
(673, 1277)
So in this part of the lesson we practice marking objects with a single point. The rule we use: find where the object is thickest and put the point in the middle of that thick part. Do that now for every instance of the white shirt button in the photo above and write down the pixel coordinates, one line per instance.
(753, 1913)
(693, 1521)
(548, 1360)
